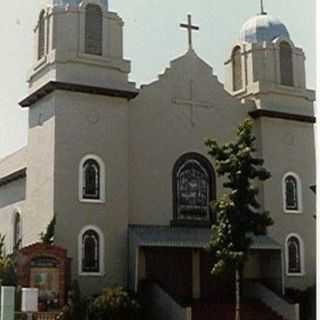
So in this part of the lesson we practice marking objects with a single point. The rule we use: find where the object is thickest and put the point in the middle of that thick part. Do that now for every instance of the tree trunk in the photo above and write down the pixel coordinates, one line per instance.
(237, 311)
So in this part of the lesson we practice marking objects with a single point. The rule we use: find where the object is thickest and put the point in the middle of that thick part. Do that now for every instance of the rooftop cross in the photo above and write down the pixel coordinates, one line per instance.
(190, 27)
(262, 7)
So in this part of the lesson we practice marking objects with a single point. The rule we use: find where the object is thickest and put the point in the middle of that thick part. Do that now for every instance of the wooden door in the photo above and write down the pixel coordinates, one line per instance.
(171, 268)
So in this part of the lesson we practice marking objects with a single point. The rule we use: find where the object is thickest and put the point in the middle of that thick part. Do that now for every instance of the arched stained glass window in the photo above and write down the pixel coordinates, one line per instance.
(91, 178)
(41, 35)
(90, 252)
(294, 253)
(194, 189)
(292, 193)
(93, 29)
(286, 65)
(237, 69)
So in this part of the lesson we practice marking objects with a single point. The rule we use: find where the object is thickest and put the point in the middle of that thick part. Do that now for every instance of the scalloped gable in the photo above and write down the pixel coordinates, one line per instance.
(175, 79)
(189, 61)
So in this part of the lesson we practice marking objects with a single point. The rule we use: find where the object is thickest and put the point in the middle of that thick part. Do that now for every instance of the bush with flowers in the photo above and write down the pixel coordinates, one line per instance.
(114, 304)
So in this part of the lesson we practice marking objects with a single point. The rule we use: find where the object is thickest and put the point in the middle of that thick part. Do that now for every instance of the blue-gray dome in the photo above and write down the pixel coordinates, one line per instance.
(263, 28)
(57, 3)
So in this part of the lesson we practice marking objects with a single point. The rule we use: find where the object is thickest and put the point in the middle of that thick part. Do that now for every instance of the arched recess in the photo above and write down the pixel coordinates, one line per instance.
(16, 230)
(194, 189)
(286, 64)
(93, 29)
(41, 35)
(237, 69)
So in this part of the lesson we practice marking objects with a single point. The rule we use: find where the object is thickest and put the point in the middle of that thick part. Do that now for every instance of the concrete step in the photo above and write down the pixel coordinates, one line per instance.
(249, 311)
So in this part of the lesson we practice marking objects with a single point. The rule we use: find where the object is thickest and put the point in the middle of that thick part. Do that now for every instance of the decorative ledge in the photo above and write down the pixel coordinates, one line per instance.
(55, 85)
(20, 174)
(282, 115)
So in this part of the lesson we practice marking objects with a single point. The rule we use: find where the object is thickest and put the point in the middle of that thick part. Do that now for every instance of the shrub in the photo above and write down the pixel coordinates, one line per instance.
(308, 306)
(306, 299)
(114, 304)
(7, 267)
(7, 272)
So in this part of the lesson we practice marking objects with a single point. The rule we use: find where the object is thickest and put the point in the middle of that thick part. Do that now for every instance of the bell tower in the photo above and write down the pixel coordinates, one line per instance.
(79, 42)
(266, 66)
(78, 124)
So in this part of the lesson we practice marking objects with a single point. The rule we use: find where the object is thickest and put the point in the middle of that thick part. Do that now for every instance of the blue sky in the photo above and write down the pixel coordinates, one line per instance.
(152, 38)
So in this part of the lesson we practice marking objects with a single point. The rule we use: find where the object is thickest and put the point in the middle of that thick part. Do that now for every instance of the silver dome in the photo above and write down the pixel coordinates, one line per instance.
(263, 28)
(57, 3)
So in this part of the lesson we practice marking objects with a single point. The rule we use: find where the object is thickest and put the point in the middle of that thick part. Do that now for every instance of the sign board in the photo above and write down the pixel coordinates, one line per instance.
(30, 300)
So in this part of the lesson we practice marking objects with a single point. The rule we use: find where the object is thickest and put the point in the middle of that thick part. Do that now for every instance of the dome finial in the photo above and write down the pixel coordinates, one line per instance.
(262, 8)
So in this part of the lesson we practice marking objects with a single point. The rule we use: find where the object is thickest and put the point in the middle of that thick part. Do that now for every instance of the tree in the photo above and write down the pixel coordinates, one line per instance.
(239, 214)
(48, 236)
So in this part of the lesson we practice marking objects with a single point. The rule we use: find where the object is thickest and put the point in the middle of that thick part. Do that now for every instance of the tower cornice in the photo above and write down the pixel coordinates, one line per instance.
(52, 86)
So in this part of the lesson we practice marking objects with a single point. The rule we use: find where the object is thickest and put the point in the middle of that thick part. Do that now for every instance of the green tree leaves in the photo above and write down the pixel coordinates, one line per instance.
(238, 212)
(48, 236)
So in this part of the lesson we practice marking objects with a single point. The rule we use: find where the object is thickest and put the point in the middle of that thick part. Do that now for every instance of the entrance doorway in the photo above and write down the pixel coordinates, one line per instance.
(215, 289)
(171, 268)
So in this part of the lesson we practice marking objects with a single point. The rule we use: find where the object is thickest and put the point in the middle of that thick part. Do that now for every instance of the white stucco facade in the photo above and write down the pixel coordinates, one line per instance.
(82, 104)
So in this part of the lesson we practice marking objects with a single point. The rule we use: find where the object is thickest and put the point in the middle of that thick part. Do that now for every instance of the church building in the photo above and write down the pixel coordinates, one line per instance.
(125, 172)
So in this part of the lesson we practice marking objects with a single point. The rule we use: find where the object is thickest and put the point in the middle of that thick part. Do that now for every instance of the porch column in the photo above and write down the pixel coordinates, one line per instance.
(196, 290)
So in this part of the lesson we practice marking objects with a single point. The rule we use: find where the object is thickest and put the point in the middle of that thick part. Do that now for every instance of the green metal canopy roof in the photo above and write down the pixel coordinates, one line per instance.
(179, 237)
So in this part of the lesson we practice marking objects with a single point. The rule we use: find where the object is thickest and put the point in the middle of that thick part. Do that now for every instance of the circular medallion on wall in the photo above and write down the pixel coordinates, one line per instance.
(93, 117)
(289, 140)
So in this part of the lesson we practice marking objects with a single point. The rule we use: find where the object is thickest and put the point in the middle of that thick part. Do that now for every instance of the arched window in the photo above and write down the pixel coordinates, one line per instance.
(17, 231)
(294, 255)
(194, 188)
(93, 30)
(91, 251)
(92, 177)
(292, 193)
(41, 35)
(286, 66)
(237, 69)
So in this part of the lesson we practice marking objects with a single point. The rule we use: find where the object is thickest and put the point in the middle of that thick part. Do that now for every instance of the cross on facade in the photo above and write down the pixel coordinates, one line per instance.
(190, 28)
(192, 103)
